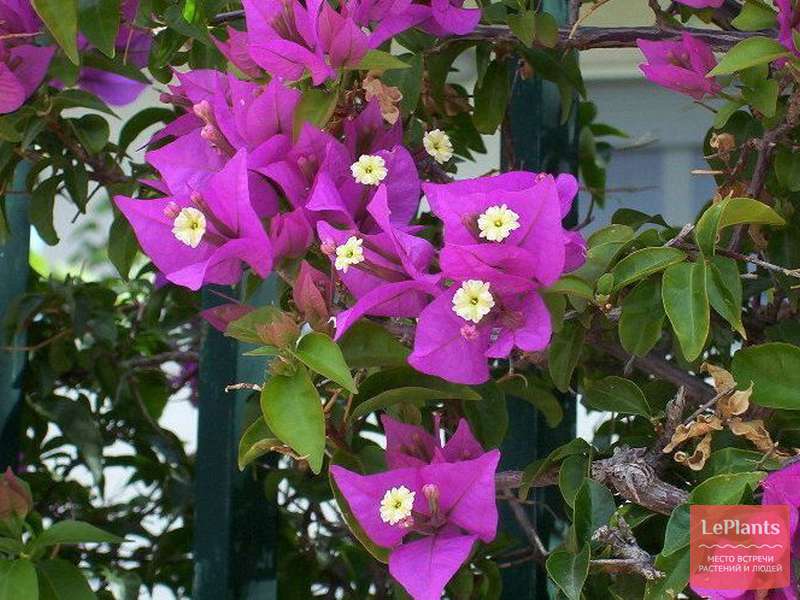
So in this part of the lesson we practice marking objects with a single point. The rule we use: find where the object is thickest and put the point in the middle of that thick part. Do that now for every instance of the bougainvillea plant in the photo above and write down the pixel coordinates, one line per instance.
(319, 145)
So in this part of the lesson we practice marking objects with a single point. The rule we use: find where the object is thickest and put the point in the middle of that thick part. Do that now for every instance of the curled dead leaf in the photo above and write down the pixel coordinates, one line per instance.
(735, 404)
(723, 380)
(702, 451)
(704, 424)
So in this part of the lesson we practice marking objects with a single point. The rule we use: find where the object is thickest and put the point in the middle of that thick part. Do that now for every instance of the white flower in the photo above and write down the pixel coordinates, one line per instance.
(497, 223)
(397, 504)
(369, 169)
(349, 253)
(437, 143)
(473, 300)
(189, 226)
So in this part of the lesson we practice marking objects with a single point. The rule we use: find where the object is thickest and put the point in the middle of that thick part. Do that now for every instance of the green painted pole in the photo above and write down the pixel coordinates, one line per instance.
(235, 537)
(14, 278)
(535, 139)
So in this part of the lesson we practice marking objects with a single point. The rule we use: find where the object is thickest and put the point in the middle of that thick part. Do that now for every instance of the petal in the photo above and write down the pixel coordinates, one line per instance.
(423, 567)
(407, 445)
(467, 493)
(364, 494)
(12, 94)
(463, 445)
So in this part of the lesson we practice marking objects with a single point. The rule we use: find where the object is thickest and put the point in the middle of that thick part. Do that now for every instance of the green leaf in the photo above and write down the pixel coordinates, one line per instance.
(93, 132)
(523, 25)
(99, 21)
(40, 210)
(643, 263)
(118, 66)
(367, 344)
(676, 569)
(749, 53)
(488, 417)
(731, 211)
(736, 460)
(61, 580)
(594, 506)
(293, 411)
(74, 532)
(774, 371)
(573, 285)
(491, 98)
(546, 30)
(642, 318)
(244, 329)
(418, 396)
(569, 571)
(342, 459)
(725, 489)
(726, 111)
(685, 298)
(676, 536)
(80, 427)
(256, 441)
(122, 245)
(617, 394)
(80, 99)
(61, 19)
(408, 81)
(321, 354)
(18, 580)
(378, 60)
(315, 107)
(565, 350)
(725, 290)
(787, 169)
(138, 123)
(763, 96)
(754, 16)
(574, 469)
(540, 397)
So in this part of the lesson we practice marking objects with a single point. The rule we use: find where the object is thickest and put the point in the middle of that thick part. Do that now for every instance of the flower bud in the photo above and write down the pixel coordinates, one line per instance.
(432, 495)
(15, 497)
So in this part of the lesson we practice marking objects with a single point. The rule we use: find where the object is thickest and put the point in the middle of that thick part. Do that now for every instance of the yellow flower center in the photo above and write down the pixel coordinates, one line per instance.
(397, 504)
(473, 300)
(497, 223)
(189, 226)
(348, 254)
(369, 169)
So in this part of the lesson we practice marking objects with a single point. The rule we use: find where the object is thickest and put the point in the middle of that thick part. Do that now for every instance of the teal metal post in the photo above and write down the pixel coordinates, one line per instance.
(534, 139)
(14, 278)
(235, 525)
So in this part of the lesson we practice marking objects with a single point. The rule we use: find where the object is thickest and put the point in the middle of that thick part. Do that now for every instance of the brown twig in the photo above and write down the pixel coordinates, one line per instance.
(538, 549)
(632, 558)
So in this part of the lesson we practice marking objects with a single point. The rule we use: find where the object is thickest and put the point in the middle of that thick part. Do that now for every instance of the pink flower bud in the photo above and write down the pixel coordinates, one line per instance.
(15, 497)
(203, 110)
(431, 493)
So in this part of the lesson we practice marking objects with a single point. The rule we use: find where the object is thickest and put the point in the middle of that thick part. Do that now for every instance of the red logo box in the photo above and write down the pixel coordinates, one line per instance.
(739, 547)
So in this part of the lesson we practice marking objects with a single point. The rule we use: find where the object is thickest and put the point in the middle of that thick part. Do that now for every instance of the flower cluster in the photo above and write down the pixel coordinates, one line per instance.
(430, 508)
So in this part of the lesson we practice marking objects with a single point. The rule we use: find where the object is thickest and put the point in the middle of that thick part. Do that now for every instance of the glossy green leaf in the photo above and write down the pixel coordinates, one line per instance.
(725, 489)
(321, 354)
(537, 395)
(725, 290)
(574, 469)
(293, 411)
(523, 25)
(617, 394)
(643, 263)
(676, 536)
(594, 506)
(40, 210)
(754, 16)
(569, 571)
(368, 344)
(18, 580)
(61, 19)
(99, 22)
(642, 318)
(748, 53)
(408, 81)
(257, 440)
(573, 285)
(491, 98)
(415, 395)
(728, 212)
(774, 371)
(139, 122)
(565, 350)
(74, 532)
(685, 297)
(676, 569)
(315, 107)
(378, 60)
(737, 460)
(122, 245)
(61, 580)
(93, 132)
(244, 329)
